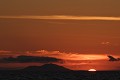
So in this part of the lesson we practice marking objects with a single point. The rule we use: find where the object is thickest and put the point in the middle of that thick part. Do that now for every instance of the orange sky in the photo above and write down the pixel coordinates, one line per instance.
(67, 26)
(77, 29)
(57, 7)
(62, 35)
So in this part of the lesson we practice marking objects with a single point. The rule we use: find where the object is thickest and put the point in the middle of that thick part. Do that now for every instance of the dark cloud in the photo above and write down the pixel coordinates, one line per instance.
(25, 59)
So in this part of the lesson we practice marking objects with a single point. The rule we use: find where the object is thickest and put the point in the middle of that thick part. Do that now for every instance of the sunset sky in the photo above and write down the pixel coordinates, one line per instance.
(64, 29)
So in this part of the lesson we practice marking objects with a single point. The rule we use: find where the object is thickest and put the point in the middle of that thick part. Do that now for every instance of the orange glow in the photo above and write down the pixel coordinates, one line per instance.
(92, 70)
(68, 56)
(93, 57)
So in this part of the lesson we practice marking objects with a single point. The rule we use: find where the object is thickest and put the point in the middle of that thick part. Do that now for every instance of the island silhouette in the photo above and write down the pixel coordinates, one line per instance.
(56, 72)
(47, 67)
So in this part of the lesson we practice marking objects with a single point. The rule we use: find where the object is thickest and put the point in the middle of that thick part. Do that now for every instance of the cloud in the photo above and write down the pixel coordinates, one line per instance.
(4, 51)
(65, 17)
(67, 56)
(56, 55)
(25, 59)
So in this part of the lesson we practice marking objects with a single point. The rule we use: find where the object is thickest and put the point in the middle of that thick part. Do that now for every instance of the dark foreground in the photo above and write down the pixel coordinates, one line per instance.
(68, 75)
(56, 72)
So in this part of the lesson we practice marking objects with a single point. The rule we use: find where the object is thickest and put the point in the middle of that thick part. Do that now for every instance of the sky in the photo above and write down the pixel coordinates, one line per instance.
(65, 29)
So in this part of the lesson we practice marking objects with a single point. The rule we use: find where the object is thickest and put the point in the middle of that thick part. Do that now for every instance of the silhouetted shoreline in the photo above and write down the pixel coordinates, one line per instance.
(55, 72)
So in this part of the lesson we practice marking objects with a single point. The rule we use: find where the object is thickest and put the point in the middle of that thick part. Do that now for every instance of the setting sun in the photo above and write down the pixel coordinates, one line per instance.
(92, 70)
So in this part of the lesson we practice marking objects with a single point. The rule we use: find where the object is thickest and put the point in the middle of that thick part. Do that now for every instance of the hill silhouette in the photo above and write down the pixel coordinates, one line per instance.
(47, 67)
(48, 72)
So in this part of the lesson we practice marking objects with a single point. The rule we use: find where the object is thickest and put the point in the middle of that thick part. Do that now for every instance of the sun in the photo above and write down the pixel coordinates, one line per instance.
(92, 70)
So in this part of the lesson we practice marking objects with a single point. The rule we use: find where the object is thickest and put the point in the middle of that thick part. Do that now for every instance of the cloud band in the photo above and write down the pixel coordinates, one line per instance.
(64, 17)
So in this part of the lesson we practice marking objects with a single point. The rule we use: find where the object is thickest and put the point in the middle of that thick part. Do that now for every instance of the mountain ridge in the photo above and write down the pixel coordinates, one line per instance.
(46, 67)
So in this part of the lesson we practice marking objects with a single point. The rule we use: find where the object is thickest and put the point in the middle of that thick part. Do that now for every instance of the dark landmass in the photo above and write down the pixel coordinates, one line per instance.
(47, 68)
(55, 72)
